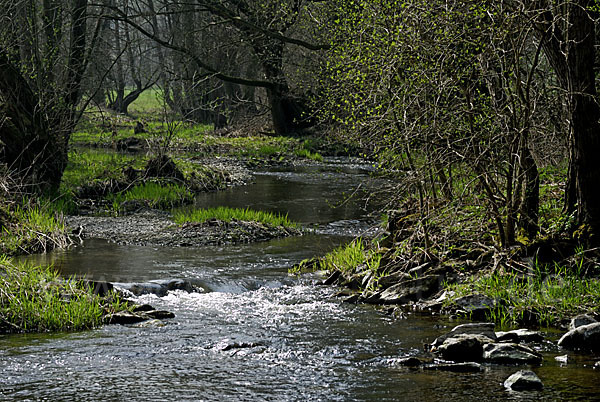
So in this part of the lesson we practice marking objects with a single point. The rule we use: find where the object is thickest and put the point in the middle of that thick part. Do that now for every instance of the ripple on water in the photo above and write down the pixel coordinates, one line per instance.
(256, 334)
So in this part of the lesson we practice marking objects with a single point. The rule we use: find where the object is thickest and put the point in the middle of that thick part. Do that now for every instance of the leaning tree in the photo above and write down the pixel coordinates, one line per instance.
(45, 47)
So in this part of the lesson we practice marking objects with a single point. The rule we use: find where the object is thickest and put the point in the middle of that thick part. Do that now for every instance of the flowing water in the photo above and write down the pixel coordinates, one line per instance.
(256, 333)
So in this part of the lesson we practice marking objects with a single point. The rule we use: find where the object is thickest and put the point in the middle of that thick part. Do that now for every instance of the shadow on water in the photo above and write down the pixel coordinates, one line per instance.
(256, 333)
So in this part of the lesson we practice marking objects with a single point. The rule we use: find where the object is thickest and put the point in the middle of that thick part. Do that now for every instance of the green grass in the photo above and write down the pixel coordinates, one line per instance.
(158, 195)
(107, 130)
(150, 100)
(552, 295)
(36, 299)
(92, 165)
(31, 228)
(345, 259)
(305, 153)
(228, 214)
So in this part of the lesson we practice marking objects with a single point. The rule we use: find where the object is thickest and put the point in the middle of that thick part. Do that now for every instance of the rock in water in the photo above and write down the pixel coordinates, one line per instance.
(159, 314)
(140, 308)
(455, 367)
(408, 362)
(524, 380)
(475, 306)
(464, 347)
(510, 353)
(479, 328)
(564, 359)
(100, 288)
(150, 324)
(581, 320)
(585, 337)
(125, 318)
(519, 336)
(412, 290)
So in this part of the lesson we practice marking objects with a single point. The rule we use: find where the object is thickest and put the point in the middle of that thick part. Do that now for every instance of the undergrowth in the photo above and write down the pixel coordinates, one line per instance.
(31, 228)
(548, 295)
(346, 259)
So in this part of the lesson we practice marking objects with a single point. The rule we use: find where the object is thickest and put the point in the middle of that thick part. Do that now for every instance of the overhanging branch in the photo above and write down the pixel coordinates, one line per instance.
(216, 72)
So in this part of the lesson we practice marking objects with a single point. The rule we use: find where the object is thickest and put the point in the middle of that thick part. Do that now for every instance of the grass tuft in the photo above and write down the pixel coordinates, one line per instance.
(305, 153)
(31, 229)
(345, 259)
(36, 299)
(228, 214)
(157, 195)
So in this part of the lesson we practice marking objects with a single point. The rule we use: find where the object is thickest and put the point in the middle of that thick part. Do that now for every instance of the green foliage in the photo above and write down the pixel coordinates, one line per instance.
(36, 299)
(552, 217)
(434, 90)
(346, 259)
(157, 195)
(228, 214)
(149, 101)
(552, 294)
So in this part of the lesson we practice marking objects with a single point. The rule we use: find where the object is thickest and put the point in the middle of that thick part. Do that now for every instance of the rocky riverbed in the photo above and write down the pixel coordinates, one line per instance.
(466, 347)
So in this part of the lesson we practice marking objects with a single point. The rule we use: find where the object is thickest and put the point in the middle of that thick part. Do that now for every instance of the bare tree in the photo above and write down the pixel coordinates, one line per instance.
(264, 30)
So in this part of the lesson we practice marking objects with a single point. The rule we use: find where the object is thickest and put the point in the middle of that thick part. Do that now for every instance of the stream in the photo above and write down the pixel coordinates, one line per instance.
(257, 333)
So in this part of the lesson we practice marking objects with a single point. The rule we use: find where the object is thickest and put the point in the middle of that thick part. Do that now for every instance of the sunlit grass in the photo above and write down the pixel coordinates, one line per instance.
(345, 259)
(228, 214)
(304, 153)
(87, 166)
(158, 195)
(32, 228)
(148, 101)
(550, 294)
(36, 299)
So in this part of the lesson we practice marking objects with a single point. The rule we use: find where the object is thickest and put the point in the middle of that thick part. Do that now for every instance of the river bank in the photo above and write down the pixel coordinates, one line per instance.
(246, 316)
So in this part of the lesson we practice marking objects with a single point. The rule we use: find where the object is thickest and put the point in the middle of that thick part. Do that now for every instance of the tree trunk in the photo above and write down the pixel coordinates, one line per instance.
(122, 101)
(30, 151)
(529, 211)
(286, 112)
(571, 54)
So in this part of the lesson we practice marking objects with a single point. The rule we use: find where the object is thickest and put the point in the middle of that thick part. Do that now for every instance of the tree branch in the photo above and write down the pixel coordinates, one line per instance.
(122, 16)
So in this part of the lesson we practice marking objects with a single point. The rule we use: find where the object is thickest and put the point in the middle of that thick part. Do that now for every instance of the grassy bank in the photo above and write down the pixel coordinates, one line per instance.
(156, 195)
(101, 128)
(547, 296)
(228, 214)
(202, 142)
(31, 227)
(37, 299)
(345, 259)
(112, 178)
(544, 295)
